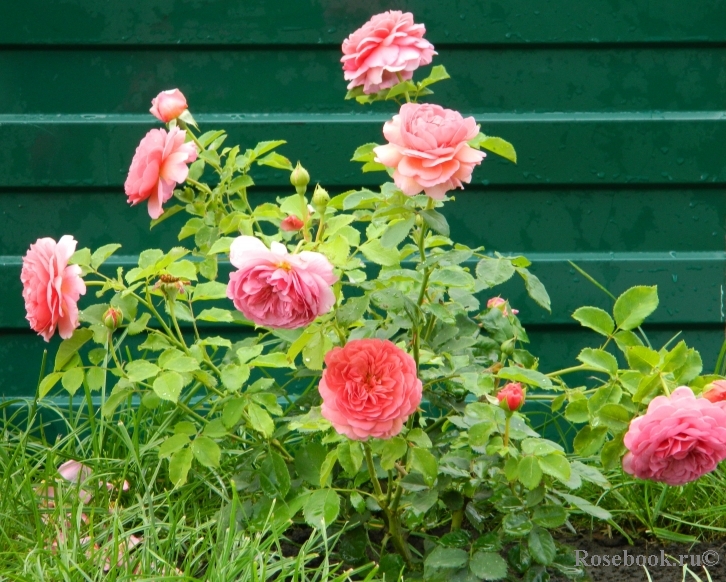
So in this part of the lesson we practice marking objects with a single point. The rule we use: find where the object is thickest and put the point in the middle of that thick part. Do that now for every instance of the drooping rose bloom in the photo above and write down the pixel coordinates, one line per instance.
(388, 45)
(159, 164)
(168, 105)
(513, 395)
(52, 287)
(291, 224)
(715, 391)
(501, 304)
(677, 440)
(369, 388)
(277, 289)
(428, 149)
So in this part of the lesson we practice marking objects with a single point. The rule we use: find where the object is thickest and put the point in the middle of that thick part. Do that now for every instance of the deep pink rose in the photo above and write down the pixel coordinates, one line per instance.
(715, 391)
(428, 149)
(388, 45)
(291, 224)
(512, 395)
(277, 289)
(168, 105)
(159, 164)
(52, 287)
(677, 440)
(501, 304)
(369, 388)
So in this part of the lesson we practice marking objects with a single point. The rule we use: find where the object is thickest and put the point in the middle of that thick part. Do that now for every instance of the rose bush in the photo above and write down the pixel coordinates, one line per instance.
(348, 369)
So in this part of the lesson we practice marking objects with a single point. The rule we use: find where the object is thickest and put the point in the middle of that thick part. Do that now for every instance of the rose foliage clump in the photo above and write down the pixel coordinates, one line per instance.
(344, 357)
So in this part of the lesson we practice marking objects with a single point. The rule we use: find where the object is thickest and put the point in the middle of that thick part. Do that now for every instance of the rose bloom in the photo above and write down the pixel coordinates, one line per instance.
(677, 440)
(501, 304)
(386, 46)
(369, 388)
(291, 224)
(159, 164)
(168, 105)
(276, 289)
(715, 391)
(513, 395)
(52, 287)
(428, 149)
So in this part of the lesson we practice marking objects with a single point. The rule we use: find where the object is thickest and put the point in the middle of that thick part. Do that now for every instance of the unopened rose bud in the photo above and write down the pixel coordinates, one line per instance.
(300, 178)
(501, 304)
(291, 224)
(508, 346)
(715, 391)
(113, 318)
(320, 199)
(511, 397)
(168, 105)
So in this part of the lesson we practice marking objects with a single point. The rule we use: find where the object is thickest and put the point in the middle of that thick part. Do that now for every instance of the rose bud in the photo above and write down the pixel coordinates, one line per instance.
(300, 178)
(511, 397)
(320, 199)
(113, 318)
(291, 224)
(715, 391)
(168, 105)
(501, 304)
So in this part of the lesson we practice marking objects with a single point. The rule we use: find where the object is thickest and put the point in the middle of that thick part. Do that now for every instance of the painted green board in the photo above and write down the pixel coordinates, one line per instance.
(292, 22)
(617, 110)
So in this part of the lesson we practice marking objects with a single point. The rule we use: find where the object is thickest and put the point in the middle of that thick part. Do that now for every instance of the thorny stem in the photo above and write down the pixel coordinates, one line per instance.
(170, 303)
(506, 429)
(372, 473)
(394, 527)
(568, 371)
(400, 80)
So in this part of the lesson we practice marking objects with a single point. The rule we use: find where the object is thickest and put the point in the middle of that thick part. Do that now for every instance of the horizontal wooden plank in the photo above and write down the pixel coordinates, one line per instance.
(311, 81)
(557, 348)
(691, 285)
(553, 148)
(329, 21)
(506, 220)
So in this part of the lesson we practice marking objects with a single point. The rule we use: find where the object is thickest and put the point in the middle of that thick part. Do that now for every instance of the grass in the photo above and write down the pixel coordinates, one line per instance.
(195, 532)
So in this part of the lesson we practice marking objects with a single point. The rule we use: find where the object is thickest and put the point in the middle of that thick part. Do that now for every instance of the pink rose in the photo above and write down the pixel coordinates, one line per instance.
(159, 164)
(277, 289)
(512, 396)
(428, 149)
(291, 224)
(715, 391)
(677, 440)
(386, 46)
(168, 105)
(369, 388)
(501, 304)
(52, 287)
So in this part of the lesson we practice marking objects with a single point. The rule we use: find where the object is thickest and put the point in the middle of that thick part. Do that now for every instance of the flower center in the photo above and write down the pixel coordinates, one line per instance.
(284, 266)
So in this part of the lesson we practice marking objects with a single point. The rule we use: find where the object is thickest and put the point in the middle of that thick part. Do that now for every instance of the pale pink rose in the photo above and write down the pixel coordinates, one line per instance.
(386, 46)
(677, 440)
(52, 287)
(159, 164)
(276, 289)
(501, 304)
(74, 471)
(291, 224)
(428, 149)
(369, 388)
(168, 105)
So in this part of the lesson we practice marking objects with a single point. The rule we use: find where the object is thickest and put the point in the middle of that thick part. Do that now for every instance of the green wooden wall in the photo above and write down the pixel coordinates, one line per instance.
(617, 109)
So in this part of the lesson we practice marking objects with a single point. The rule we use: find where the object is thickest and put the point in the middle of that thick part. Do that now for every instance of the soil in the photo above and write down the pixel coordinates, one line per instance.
(664, 561)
